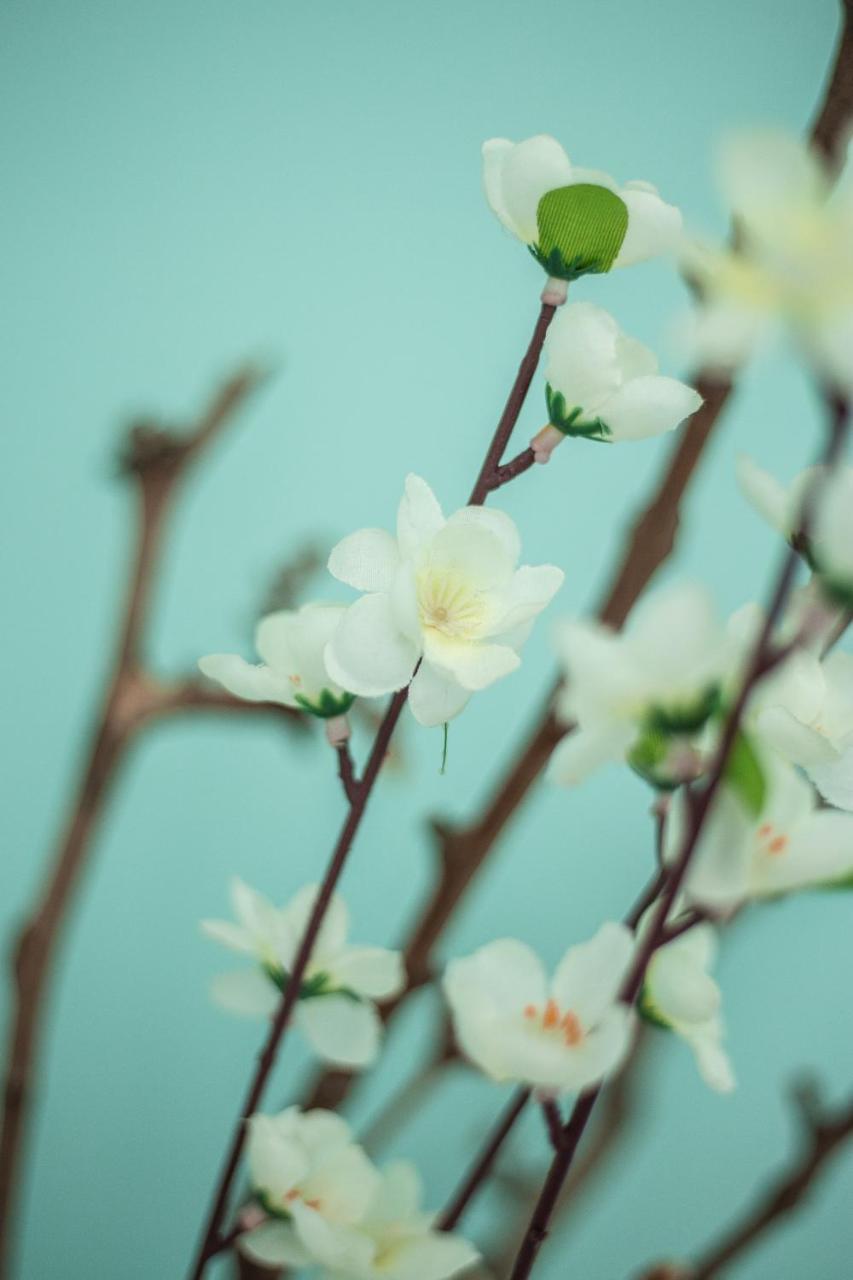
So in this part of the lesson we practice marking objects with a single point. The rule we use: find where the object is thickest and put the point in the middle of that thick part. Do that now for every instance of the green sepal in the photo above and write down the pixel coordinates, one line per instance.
(269, 1206)
(327, 705)
(745, 776)
(581, 229)
(837, 591)
(689, 717)
(649, 1011)
(320, 984)
(568, 420)
(648, 754)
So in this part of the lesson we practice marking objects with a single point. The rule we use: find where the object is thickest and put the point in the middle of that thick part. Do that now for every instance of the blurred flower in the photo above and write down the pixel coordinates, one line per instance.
(606, 386)
(829, 547)
(315, 1183)
(574, 220)
(679, 994)
(642, 694)
(404, 1244)
(292, 670)
(793, 263)
(336, 1009)
(444, 596)
(565, 1034)
(788, 844)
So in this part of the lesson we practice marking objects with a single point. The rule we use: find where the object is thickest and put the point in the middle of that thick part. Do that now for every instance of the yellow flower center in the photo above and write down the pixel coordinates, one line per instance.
(449, 603)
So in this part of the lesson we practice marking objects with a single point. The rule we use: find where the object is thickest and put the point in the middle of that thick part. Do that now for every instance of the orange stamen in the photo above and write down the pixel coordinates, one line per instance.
(778, 845)
(765, 829)
(572, 1031)
(552, 1015)
(530, 1011)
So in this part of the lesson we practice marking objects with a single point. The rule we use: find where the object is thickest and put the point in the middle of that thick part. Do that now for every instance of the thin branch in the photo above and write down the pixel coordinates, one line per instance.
(282, 1018)
(346, 772)
(553, 1122)
(156, 461)
(485, 1160)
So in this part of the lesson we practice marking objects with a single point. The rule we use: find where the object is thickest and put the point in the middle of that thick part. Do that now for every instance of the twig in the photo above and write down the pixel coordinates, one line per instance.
(156, 461)
(553, 1123)
(346, 772)
(824, 1132)
(699, 808)
(363, 792)
(483, 1164)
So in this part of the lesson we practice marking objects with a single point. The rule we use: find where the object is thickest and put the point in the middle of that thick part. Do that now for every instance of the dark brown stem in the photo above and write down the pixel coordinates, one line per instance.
(358, 804)
(346, 773)
(698, 810)
(483, 1164)
(553, 1123)
(515, 467)
(156, 461)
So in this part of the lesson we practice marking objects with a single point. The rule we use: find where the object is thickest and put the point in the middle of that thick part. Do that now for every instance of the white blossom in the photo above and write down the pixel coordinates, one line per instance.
(517, 176)
(315, 1184)
(643, 693)
(444, 595)
(336, 1010)
(605, 385)
(564, 1034)
(292, 670)
(680, 994)
(785, 843)
(793, 264)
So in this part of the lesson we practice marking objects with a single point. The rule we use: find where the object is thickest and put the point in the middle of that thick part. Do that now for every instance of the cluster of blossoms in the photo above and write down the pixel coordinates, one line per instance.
(319, 1202)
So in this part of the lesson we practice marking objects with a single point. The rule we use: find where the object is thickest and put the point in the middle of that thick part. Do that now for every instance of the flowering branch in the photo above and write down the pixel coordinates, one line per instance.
(699, 807)
(361, 792)
(825, 1130)
(156, 461)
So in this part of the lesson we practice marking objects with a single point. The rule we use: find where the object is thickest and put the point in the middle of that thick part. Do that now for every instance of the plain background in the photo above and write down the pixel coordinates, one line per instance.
(190, 183)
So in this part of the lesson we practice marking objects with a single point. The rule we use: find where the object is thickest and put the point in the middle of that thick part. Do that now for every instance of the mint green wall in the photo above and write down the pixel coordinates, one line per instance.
(185, 184)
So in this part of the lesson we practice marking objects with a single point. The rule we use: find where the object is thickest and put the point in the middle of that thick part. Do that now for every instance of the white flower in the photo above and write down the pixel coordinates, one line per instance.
(565, 1034)
(643, 692)
(292, 670)
(605, 385)
(589, 229)
(404, 1245)
(315, 1183)
(789, 844)
(336, 1009)
(830, 540)
(679, 993)
(443, 593)
(794, 260)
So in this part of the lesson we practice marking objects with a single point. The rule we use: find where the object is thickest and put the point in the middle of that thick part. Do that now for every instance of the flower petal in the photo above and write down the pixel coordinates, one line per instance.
(582, 751)
(366, 560)
(820, 852)
(435, 697)
(274, 1245)
(528, 171)
(532, 588)
(834, 781)
(333, 1244)
(246, 680)
(589, 976)
(419, 517)
(582, 348)
(764, 492)
(503, 976)
(332, 936)
(601, 1052)
(476, 665)
(371, 971)
(248, 992)
(432, 1256)
(341, 1030)
(368, 654)
(654, 227)
(648, 406)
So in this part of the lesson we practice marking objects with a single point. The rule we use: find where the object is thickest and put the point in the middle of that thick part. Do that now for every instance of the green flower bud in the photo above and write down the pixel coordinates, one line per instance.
(581, 229)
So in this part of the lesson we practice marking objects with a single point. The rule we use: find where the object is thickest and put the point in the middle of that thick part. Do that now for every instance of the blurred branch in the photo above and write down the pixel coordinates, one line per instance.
(155, 461)
(824, 1131)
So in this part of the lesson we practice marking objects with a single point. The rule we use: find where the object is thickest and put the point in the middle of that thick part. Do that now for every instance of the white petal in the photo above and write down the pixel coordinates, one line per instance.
(474, 665)
(245, 680)
(435, 697)
(341, 1030)
(274, 1244)
(601, 1052)
(582, 349)
(589, 976)
(531, 169)
(680, 988)
(255, 912)
(793, 739)
(719, 871)
(292, 645)
(764, 492)
(248, 992)
(834, 781)
(532, 588)
(334, 1245)
(371, 971)
(233, 936)
(478, 543)
(765, 172)
(495, 152)
(654, 227)
(344, 1181)
(419, 517)
(368, 654)
(712, 1060)
(432, 1256)
(366, 560)
(648, 406)
(277, 1160)
(820, 852)
(398, 1195)
(333, 931)
(503, 976)
(582, 751)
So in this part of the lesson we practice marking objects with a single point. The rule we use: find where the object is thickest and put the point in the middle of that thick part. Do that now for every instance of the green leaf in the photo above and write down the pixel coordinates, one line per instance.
(581, 229)
(745, 775)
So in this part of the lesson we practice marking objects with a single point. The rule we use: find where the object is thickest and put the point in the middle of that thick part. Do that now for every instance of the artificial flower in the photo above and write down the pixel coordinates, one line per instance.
(784, 843)
(336, 1010)
(404, 1244)
(606, 386)
(315, 1184)
(680, 994)
(574, 220)
(642, 694)
(292, 671)
(562, 1035)
(444, 596)
(793, 262)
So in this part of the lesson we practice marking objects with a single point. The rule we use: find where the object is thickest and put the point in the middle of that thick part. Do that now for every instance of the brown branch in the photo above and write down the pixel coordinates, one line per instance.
(649, 542)
(156, 461)
(824, 1132)
(362, 791)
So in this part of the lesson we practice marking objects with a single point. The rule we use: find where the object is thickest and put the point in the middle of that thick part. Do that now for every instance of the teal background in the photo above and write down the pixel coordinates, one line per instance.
(191, 183)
